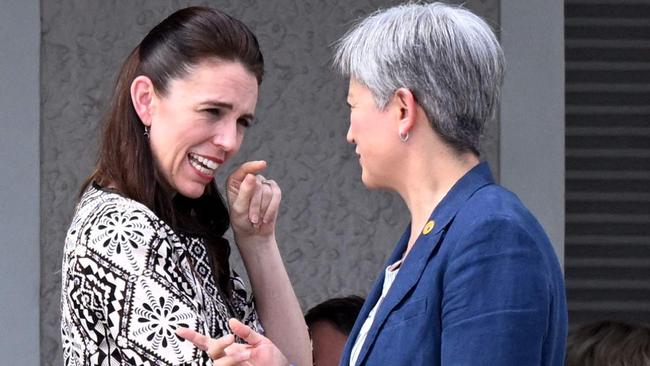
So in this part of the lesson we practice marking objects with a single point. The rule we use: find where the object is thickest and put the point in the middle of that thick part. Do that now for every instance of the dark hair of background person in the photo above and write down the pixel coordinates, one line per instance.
(609, 343)
(340, 312)
(182, 40)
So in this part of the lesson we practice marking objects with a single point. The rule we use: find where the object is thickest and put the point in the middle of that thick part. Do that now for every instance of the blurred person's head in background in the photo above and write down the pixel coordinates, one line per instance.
(609, 343)
(330, 323)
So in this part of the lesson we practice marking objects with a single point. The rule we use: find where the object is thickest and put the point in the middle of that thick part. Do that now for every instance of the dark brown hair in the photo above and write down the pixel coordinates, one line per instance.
(341, 312)
(167, 52)
(609, 343)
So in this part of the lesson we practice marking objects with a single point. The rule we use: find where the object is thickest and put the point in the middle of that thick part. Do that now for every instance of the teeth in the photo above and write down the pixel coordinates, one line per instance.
(205, 166)
(201, 168)
(207, 162)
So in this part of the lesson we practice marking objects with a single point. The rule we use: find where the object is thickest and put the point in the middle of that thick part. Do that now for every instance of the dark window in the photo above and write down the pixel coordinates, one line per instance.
(607, 253)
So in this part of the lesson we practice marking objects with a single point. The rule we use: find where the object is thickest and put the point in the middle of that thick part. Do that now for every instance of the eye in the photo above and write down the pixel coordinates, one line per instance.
(214, 112)
(245, 122)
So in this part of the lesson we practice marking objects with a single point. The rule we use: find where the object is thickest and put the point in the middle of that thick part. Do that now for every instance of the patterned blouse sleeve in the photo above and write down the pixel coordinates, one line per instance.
(244, 304)
(122, 291)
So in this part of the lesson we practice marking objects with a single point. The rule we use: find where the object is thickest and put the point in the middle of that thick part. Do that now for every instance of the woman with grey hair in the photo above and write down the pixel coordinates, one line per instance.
(474, 279)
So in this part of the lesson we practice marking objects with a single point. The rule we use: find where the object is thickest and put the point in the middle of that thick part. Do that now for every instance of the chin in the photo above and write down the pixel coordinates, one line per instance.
(372, 186)
(376, 182)
(194, 191)
(368, 182)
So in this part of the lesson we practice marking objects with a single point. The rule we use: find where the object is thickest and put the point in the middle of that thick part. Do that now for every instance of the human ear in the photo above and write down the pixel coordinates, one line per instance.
(407, 105)
(142, 97)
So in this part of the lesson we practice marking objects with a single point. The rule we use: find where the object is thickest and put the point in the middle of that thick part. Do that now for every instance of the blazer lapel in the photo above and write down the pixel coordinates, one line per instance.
(371, 299)
(409, 274)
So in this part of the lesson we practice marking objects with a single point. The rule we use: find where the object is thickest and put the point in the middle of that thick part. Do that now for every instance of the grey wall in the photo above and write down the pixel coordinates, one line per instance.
(19, 181)
(532, 110)
(334, 234)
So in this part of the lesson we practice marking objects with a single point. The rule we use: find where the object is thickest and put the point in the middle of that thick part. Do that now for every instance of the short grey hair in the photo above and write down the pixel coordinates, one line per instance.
(448, 57)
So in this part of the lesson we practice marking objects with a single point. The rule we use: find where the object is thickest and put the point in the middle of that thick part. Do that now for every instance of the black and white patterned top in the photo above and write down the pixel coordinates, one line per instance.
(129, 280)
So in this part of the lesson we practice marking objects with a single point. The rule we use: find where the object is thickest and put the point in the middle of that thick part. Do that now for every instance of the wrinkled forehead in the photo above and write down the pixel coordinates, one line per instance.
(224, 82)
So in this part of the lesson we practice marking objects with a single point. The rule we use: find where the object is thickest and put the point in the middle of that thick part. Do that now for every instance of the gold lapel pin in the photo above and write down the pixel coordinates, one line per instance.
(428, 227)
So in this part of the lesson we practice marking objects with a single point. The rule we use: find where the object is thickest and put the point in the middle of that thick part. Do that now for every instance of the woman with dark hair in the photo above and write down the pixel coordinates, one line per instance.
(474, 279)
(145, 253)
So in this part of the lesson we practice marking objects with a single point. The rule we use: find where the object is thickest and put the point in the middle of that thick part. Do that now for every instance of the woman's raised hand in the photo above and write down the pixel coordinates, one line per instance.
(259, 350)
(215, 348)
(253, 201)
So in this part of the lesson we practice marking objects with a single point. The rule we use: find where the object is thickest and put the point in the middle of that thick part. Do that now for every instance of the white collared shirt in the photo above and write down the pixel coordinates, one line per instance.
(389, 277)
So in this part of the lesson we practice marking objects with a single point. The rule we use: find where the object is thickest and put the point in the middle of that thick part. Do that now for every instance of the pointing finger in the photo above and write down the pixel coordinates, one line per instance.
(197, 338)
(213, 347)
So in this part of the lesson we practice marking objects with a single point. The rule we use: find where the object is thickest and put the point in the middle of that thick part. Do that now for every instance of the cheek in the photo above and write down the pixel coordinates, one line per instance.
(355, 116)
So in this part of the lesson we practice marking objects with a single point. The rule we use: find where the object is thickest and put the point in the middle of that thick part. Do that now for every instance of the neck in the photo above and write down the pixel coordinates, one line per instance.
(427, 180)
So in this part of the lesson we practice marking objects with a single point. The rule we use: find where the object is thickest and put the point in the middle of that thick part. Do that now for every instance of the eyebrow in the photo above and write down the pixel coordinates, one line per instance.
(227, 106)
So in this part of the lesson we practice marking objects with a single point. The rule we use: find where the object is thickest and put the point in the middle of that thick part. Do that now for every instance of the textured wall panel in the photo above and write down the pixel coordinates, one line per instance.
(334, 234)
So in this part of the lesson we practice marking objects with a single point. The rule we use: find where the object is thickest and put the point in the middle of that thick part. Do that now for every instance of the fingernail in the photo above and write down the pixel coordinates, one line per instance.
(254, 219)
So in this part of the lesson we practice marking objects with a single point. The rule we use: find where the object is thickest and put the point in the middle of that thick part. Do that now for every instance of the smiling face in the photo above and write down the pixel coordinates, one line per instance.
(375, 133)
(199, 123)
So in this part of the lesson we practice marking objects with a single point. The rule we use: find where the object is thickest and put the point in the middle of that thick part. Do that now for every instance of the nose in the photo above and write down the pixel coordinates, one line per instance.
(225, 135)
(349, 135)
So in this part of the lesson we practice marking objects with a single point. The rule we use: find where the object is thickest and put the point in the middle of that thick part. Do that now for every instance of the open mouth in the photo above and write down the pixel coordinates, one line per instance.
(204, 165)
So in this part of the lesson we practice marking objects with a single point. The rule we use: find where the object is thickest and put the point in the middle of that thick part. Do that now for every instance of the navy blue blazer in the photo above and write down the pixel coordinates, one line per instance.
(484, 287)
